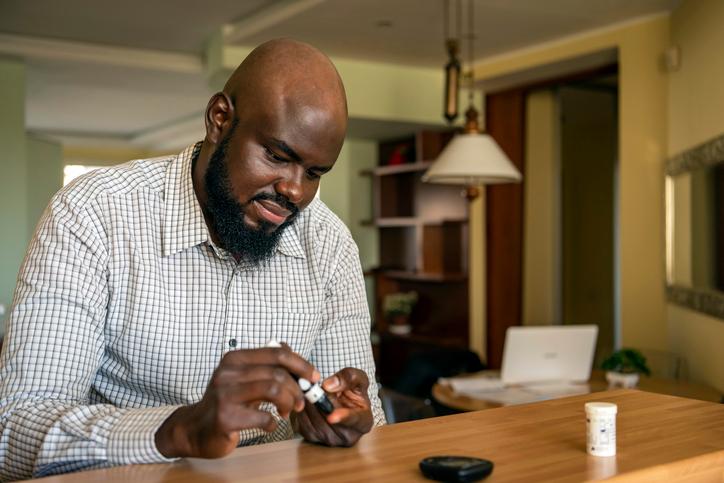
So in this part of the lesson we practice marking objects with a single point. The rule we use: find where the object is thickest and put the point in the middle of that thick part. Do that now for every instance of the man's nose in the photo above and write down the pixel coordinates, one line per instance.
(291, 185)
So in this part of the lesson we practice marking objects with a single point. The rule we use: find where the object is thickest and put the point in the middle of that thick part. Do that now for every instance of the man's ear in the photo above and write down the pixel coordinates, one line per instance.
(219, 117)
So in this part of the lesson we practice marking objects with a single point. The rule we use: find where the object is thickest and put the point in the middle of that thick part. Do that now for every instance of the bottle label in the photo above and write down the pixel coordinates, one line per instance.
(601, 436)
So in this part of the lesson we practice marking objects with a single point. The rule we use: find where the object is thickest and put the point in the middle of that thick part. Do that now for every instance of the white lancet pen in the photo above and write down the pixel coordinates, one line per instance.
(312, 392)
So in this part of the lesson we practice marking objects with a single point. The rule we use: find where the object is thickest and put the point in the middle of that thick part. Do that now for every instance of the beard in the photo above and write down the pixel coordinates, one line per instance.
(255, 245)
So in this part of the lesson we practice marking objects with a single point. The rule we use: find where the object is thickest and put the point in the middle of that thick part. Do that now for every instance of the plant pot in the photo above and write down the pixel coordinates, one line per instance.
(400, 325)
(619, 379)
(400, 329)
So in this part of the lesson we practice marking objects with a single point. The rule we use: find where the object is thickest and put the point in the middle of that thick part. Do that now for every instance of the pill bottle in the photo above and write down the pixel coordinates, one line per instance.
(601, 428)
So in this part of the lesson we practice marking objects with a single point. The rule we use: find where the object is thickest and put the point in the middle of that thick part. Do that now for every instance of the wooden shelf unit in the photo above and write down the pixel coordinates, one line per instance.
(426, 277)
(423, 233)
(402, 168)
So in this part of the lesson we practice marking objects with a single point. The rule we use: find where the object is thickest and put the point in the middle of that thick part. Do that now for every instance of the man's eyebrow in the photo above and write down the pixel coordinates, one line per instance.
(282, 146)
(321, 169)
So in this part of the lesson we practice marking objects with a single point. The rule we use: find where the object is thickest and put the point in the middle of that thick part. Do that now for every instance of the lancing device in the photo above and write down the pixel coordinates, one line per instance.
(312, 392)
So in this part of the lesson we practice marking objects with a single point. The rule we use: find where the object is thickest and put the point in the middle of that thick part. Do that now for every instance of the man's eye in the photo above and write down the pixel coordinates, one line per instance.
(313, 174)
(271, 155)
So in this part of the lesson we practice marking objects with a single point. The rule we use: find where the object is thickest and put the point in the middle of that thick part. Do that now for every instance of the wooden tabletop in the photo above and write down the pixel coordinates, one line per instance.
(660, 438)
(445, 395)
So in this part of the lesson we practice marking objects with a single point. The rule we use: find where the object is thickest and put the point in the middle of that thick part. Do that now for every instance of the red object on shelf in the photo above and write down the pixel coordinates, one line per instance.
(399, 155)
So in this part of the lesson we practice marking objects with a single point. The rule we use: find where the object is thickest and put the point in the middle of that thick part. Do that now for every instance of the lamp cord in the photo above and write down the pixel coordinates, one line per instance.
(459, 17)
(446, 19)
(471, 43)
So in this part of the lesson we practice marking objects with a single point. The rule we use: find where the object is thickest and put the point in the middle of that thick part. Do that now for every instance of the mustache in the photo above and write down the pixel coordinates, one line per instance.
(279, 199)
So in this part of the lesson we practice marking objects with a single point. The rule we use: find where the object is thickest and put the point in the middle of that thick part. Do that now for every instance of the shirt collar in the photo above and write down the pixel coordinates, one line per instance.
(184, 224)
(289, 243)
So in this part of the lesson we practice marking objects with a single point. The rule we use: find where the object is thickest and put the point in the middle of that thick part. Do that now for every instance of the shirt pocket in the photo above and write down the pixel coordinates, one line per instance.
(299, 330)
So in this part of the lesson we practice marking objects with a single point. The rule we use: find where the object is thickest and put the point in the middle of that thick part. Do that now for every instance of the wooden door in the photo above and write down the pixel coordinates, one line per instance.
(505, 122)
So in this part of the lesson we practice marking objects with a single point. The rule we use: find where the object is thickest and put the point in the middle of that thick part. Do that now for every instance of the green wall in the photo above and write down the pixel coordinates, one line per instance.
(364, 157)
(334, 187)
(349, 194)
(31, 173)
(13, 182)
(45, 176)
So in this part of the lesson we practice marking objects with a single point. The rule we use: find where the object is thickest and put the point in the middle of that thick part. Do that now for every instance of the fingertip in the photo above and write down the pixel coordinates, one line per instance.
(316, 376)
(337, 416)
(331, 384)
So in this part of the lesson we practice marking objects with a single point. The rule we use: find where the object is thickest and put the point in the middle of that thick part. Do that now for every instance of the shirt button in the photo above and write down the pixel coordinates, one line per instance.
(232, 343)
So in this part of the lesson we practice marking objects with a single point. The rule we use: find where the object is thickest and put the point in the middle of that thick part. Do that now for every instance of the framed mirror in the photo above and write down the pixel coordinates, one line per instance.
(695, 228)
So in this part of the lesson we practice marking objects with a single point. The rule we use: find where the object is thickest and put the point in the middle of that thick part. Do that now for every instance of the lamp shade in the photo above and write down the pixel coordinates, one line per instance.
(472, 159)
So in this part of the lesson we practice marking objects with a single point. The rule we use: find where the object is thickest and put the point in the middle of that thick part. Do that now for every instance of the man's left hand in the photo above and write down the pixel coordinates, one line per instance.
(351, 418)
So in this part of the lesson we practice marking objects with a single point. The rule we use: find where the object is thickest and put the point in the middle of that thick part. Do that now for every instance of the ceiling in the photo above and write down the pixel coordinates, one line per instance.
(171, 25)
(73, 96)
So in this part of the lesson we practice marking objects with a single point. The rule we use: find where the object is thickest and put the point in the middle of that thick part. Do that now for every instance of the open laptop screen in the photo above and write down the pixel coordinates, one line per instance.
(551, 353)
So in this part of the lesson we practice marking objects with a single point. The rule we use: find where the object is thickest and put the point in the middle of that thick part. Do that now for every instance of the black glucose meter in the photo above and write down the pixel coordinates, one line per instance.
(455, 468)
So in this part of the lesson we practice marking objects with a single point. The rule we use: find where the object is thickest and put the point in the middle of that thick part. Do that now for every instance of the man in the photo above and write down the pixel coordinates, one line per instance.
(150, 291)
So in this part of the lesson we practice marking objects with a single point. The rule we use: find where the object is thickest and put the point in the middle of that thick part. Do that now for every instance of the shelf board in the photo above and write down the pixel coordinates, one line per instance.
(402, 168)
(425, 277)
(426, 339)
(402, 221)
(445, 220)
(397, 221)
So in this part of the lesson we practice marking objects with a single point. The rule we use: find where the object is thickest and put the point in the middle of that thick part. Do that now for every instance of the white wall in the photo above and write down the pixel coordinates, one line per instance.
(696, 114)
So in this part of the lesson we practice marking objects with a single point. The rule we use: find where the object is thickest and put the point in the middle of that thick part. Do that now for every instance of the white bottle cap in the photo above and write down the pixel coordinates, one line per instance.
(304, 385)
(601, 409)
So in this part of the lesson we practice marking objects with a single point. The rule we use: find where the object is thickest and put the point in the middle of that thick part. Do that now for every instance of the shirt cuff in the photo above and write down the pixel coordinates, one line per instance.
(132, 440)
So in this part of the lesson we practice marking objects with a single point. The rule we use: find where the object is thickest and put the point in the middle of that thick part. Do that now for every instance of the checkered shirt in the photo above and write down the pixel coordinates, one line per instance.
(124, 307)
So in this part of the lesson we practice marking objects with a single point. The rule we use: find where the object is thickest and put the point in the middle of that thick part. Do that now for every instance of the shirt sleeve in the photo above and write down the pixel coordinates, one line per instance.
(345, 338)
(53, 348)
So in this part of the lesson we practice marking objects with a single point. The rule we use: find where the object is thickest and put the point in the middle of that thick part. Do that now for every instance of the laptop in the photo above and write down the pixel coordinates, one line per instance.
(556, 353)
(539, 363)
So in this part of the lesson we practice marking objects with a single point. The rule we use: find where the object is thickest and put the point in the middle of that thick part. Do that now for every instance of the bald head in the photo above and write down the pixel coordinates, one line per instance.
(291, 75)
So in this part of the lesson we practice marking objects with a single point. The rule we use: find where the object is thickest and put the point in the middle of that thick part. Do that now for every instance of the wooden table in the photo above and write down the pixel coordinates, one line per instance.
(660, 438)
(444, 394)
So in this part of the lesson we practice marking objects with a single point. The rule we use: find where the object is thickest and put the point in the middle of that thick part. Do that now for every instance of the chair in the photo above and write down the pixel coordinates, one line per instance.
(399, 407)
(410, 397)
(424, 369)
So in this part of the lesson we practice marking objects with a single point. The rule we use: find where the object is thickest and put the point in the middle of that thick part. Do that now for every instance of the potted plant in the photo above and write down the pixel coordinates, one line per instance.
(397, 308)
(623, 368)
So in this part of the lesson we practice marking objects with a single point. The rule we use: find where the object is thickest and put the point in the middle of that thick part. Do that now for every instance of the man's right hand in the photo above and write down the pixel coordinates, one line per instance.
(241, 382)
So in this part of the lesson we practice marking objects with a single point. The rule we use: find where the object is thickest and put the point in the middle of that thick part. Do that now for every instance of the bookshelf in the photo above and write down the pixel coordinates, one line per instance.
(423, 233)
